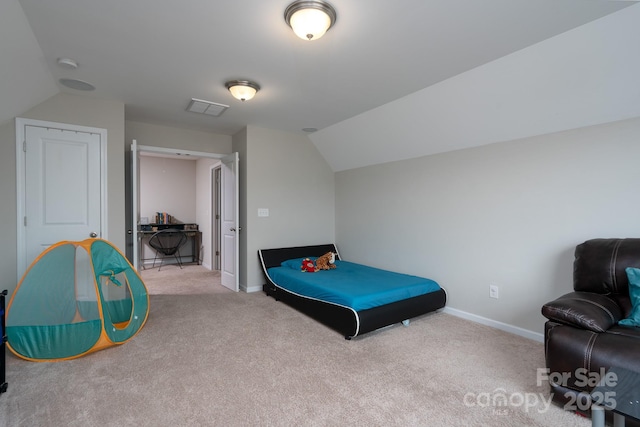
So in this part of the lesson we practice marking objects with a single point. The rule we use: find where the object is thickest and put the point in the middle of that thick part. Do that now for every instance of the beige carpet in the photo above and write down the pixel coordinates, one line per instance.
(191, 279)
(218, 358)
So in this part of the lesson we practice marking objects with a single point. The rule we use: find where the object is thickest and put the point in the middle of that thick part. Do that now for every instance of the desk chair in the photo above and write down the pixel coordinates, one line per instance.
(168, 243)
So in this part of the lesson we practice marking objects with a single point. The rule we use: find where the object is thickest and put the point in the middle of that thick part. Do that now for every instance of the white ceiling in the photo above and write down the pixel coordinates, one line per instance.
(155, 55)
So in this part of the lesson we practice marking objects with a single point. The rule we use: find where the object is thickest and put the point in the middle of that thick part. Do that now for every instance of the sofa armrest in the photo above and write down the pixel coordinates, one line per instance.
(586, 310)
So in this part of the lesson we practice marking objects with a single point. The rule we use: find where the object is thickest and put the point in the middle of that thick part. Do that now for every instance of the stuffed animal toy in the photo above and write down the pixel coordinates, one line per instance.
(326, 261)
(308, 266)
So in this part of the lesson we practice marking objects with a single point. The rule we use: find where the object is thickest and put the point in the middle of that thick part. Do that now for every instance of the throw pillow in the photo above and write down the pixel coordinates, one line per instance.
(633, 274)
(295, 263)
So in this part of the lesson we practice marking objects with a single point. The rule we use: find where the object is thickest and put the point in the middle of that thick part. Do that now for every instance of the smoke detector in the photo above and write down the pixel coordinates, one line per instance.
(67, 63)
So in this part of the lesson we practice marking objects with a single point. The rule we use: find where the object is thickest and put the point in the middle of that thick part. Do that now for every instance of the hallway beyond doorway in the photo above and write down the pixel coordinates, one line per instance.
(191, 279)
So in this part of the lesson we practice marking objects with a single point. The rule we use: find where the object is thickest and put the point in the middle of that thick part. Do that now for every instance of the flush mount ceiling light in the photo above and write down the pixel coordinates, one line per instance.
(310, 19)
(243, 90)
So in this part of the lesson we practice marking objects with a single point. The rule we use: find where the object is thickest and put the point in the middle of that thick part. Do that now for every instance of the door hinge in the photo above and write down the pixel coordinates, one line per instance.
(24, 146)
(217, 253)
(217, 216)
(25, 221)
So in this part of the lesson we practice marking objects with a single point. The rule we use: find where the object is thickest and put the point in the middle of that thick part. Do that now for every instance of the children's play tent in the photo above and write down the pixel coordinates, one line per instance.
(75, 298)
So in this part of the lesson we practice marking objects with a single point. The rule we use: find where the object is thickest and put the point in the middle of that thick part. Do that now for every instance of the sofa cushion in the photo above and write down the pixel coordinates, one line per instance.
(624, 331)
(568, 349)
(584, 310)
(634, 293)
(600, 264)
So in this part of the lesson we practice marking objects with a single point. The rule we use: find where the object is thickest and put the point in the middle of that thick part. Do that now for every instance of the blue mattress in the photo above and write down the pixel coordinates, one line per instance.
(352, 285)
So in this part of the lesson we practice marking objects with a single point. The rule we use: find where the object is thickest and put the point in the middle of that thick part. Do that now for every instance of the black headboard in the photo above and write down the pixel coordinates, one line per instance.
(274, 257)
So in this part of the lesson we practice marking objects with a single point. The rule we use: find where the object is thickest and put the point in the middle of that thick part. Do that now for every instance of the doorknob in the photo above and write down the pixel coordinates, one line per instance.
(93, 234)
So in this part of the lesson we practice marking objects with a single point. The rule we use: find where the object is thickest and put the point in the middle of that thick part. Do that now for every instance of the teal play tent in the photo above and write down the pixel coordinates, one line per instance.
(75, 298)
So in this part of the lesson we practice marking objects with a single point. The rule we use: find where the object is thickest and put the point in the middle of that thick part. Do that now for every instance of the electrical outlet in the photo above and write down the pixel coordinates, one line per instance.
(493, 291)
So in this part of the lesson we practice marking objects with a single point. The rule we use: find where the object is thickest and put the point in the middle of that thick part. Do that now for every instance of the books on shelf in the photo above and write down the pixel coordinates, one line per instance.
(164, 218)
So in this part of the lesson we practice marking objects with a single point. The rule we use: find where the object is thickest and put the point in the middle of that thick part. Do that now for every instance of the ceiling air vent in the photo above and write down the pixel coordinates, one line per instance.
(206, 107)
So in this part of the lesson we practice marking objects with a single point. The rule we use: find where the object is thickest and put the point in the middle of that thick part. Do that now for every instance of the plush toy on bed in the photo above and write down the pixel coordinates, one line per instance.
(308, 266)
(326, 261)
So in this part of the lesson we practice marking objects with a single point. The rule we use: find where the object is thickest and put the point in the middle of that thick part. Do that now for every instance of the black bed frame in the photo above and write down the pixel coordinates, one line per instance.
(345, 320)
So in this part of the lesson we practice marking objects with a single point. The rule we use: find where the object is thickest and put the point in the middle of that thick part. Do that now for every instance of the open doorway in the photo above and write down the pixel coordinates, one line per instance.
(214, 199)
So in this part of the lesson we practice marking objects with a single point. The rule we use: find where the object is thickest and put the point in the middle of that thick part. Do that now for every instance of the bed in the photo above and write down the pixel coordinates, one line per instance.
(322, 295)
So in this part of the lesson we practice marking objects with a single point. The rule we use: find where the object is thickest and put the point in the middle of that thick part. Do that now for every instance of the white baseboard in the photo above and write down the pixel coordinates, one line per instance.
(250, 288)
(535, 336)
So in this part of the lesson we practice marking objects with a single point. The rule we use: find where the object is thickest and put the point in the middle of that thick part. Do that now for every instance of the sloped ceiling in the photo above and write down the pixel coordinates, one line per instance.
(25, 78)
(396, 59)
(584, 77)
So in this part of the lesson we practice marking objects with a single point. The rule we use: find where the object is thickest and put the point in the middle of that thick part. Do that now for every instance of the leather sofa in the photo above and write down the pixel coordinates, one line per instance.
(582, 336)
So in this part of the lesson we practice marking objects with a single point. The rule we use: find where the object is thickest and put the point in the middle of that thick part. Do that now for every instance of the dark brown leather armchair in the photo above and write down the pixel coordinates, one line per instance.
(582, 335)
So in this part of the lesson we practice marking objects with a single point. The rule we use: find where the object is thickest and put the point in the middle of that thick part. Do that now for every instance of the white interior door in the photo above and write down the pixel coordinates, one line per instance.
(135, 202)
(63, 186)
(230, 223)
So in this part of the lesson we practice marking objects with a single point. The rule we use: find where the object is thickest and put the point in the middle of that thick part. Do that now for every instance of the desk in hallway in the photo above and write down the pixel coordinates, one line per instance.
(191, 231)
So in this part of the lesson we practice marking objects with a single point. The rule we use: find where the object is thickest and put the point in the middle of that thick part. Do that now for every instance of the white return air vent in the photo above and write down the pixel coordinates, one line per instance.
(206, 107)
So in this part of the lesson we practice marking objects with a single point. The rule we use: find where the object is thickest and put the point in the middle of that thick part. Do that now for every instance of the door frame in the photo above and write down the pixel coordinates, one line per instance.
(21, 124)
(135, 223)
(215, 217)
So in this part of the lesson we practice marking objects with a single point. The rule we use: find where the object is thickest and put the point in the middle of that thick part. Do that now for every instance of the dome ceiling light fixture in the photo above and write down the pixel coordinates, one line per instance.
(310, 19)
(243, 90)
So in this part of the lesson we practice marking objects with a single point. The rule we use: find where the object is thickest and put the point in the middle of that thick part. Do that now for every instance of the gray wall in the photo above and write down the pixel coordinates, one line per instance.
(508, 214)
(8, 258)
(173, 137)
(76, 110)
(285, 173)
(168, 185)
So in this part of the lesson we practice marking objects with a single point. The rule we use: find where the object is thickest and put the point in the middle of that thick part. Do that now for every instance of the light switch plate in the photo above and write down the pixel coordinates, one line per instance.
(263, 212)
